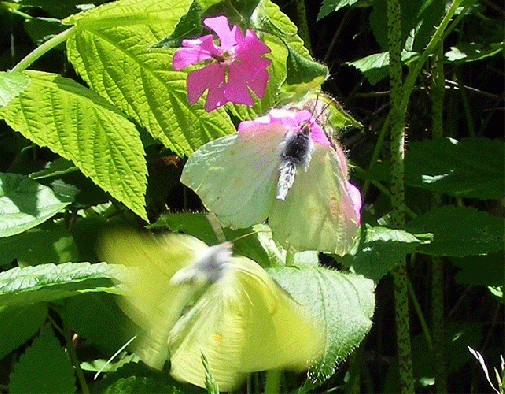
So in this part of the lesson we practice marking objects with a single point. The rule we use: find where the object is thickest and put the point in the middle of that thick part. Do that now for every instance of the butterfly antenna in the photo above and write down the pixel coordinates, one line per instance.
(251, 233)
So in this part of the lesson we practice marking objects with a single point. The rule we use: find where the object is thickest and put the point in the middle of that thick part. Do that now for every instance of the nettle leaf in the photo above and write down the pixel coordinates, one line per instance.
(484, 270)
(49, 282)
(25, 203)
(19, 323)
(375, 67)
(377, 250)
(11, 85)
(330, 6)
(43, 368)
(469, 52)
(343, 303)
(81, 126)
(141, 385)
(113, 50)
(459, 231)
(473, 167)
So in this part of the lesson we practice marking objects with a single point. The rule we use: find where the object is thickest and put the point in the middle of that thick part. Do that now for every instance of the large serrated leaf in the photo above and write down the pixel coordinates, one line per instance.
(459, 231)
(19, 323)
(25, 203)
(48, 282)
(81, 126)
(11, 84)
(113, 50)
(43, 368)
(377, 250)
(343, 303)
(330, 6)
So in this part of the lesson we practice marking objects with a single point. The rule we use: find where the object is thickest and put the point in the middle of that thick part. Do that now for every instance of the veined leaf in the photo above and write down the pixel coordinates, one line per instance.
(48, 282)
(113, 50)
(11, 84)
(25, 203)
(81, 126)
(329, 6)
(344, 303)
(35, 374)
(459, 231)
(377, 250)
(19, 323)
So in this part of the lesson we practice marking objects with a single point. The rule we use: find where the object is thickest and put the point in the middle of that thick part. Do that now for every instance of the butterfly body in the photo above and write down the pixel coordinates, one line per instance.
(295, 153)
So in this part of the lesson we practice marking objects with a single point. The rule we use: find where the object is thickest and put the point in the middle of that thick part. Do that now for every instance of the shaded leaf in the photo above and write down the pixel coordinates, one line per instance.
(25, 203)
(190, 26)
(34, 374)
(11, 85)
(480, 270)
(343, 303)
(113, 52)
(330, 6)
(469, 52)
(19, 323)
(377, 250)
(140, 385)
(459, 231)
(81, 126)
(49, 282)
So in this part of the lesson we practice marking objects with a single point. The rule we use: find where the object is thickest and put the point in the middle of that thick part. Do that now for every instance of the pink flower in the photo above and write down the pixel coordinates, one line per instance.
(292, 119)
(236, 65)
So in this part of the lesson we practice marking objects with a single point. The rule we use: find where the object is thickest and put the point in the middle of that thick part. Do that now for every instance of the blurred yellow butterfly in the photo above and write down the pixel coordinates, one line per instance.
(243, 322)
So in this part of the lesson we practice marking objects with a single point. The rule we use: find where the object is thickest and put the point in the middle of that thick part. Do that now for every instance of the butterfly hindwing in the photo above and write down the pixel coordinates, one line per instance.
(235, 176)
(318, 212)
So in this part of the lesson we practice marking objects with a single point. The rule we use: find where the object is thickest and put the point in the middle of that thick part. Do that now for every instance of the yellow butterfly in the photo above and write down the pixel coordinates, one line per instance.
(243, 322)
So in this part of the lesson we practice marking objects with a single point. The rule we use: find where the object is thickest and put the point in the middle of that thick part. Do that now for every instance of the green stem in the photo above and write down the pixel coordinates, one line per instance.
(42, 49)
(303, 26)
(273, 381)
(437, 272)
(397, 149)
(440, 33)
(290, 259)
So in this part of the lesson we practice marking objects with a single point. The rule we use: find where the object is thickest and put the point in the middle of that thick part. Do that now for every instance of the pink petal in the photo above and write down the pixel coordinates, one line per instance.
(226, 35)
(252, 44)
(356, 199)
(236, 89)
(196, 49)
(259, 84)
(210, 76)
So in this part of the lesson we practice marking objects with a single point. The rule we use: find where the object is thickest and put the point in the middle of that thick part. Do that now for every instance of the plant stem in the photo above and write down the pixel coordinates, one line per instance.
(42, 49)
(437, 272)
(397, 142)
(303, 27)
(273, 381)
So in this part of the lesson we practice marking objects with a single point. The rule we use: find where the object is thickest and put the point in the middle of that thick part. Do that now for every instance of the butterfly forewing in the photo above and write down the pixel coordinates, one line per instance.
(235, 176)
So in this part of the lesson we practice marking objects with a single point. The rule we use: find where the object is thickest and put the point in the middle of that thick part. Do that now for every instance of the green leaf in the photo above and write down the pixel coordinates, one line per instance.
(43, 368)
(98, 318)
(19, 323)
(11, 85)
(302, 70)
(140, 385)
(81, 126)
(459, 231)
(458, 169)
(330, 6)
(49, 282)
(480, 270)
(472, 168)
(375, 67)
(418, 21)
(343, 303)
(25, 203)
(377, 250)
(113, 50)
(469, 52)
(190, 25)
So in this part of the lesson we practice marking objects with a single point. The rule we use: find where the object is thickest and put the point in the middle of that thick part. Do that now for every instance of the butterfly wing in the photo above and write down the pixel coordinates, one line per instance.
(149, 299)
(235, 176)
(245, 322)
(318, 212)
